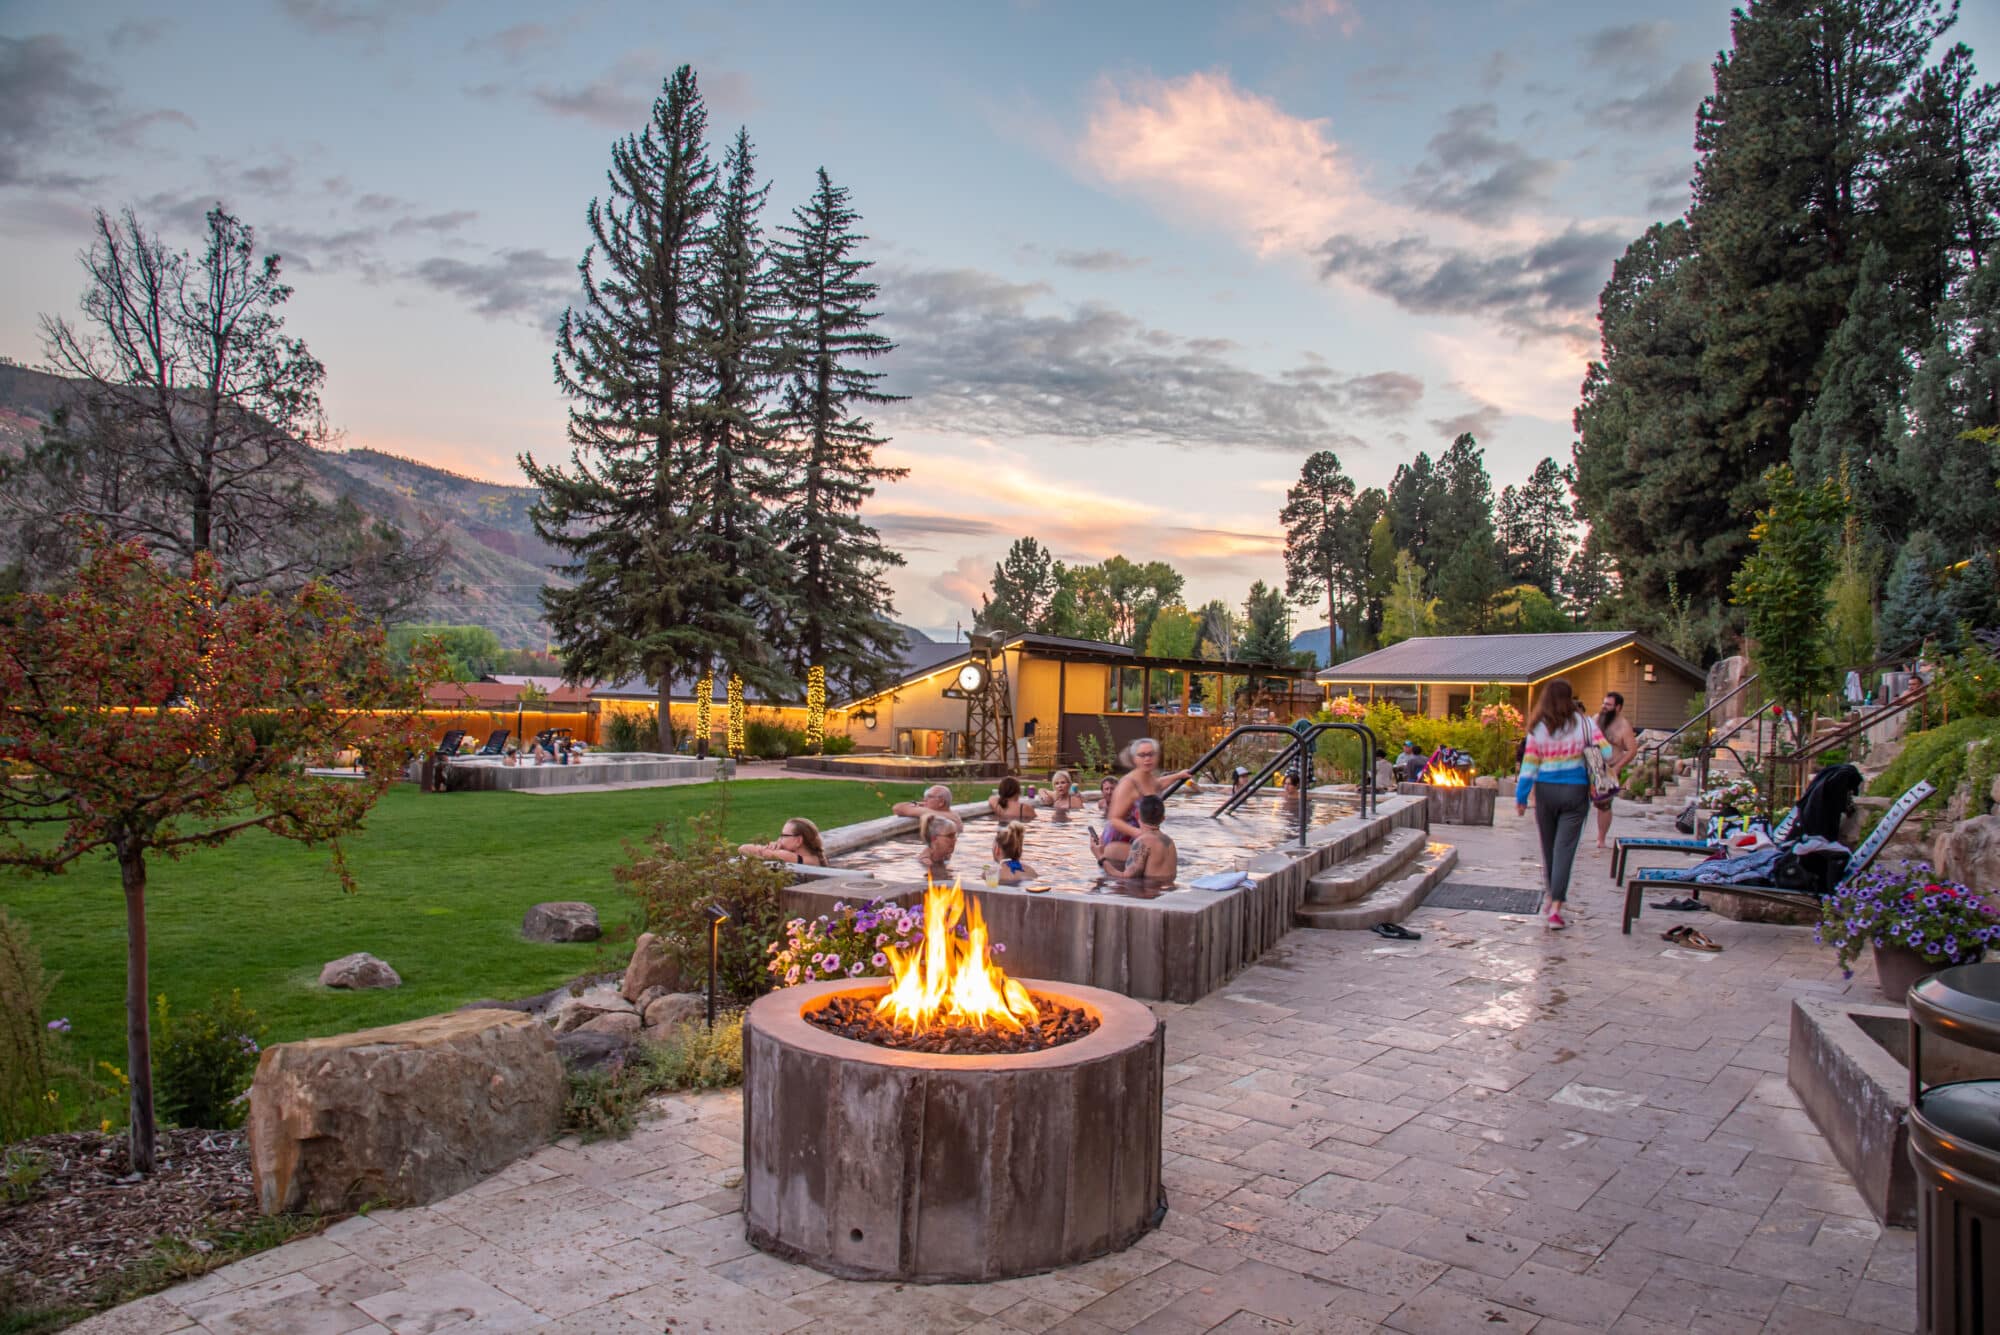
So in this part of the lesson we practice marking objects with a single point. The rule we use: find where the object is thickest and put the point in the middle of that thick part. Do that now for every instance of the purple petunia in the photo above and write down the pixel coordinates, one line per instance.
(880, 960)
(59, 1026)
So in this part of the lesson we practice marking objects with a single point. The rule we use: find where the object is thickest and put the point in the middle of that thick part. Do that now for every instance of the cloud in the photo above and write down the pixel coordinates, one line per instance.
(1481, 421)
(1449, 179)
(436, 223)
(1199, 146)
(968, 580)
(621, 98)
(52, 103)
(1315, 13)
(1098, 261)
(519, 284)
(517, 42)
(1626, 45)
(1671, 101)
(137, 32)
(1543, 288)
(927, 525)
(368, 17)
(979, 355)
(1670, 188)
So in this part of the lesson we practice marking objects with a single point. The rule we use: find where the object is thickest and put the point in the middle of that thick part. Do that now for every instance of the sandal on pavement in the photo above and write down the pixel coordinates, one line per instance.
(1696, 941)
(1395, 931)
(1689, 905)
(1674, 934)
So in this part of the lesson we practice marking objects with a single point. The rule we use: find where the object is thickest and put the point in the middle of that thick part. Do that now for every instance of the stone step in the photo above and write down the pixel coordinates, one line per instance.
(1345, 882)
(1392, 901)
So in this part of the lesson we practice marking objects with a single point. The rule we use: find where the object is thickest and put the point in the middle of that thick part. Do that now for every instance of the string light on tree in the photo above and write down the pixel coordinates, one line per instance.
(704, 707)
(735, 715)
(815, 708)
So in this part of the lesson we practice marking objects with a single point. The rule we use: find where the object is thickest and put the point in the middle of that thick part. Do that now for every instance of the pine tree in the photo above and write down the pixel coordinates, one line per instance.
(629, 360)
(1025, 586)
(1467, 582)
(1588, 579)
(841, 603)
(734, 483)
(1267, 635)
(1783, 586)
(1318, 554)
(1914, 609)
(1534, 522)
(1381, 567)
(1416, 498)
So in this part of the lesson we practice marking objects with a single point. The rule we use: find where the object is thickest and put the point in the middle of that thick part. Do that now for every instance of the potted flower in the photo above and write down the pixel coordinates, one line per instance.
(1915, 923)
(1730, 796)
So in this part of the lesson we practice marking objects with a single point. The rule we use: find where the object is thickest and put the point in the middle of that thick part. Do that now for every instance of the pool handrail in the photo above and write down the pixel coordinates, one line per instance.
(1295, 753)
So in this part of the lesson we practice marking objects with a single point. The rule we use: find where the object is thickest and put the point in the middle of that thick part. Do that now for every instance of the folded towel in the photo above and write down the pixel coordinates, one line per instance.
(1221, 880)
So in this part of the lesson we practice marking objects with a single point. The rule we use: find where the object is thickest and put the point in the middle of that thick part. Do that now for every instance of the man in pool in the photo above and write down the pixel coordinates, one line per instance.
(937, 826)
(1152, 857)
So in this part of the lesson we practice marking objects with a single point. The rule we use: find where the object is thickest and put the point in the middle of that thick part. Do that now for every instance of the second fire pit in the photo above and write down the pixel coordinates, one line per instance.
(1456, 801)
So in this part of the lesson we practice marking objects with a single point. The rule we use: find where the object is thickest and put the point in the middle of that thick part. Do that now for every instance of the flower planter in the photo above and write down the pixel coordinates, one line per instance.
(1897, 968)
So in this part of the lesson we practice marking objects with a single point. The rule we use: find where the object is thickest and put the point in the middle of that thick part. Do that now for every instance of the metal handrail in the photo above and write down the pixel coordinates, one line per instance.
(1658, 748)
(1298, 752)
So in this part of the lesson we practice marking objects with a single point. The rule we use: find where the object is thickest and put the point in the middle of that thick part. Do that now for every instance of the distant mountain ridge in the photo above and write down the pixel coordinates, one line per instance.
(494, 571)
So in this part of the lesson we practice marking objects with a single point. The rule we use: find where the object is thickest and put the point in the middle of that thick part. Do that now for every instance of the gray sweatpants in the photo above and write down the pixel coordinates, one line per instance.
(1559, 812)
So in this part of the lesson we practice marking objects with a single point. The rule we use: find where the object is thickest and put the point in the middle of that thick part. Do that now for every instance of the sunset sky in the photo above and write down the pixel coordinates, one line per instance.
(1140, 258)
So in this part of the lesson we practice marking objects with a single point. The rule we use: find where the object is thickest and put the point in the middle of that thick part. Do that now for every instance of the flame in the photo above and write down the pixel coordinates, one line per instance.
(949, 979)
(1443, 776)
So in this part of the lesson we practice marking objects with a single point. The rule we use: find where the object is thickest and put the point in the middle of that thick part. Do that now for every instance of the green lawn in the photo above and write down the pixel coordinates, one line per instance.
(444, 881)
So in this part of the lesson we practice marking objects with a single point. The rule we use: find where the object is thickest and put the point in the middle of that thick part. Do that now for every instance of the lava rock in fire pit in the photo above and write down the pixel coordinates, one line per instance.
(857, 1018)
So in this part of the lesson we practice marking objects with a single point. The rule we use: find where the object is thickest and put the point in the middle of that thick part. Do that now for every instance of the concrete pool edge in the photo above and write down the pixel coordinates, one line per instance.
(1175, 949)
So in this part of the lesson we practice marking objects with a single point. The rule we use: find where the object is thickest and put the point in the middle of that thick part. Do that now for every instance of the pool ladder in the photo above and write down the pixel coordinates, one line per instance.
(1303, 739)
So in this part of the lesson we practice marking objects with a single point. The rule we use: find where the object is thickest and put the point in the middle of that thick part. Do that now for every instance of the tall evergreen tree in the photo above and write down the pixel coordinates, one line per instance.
(1416, 498)
(841, 604)
(1914, 608)
(1467, 582)
(1318, 535)
(629, 360)
(735, 482)
(1025, 586)
(1588, 579)
(1267, 633)
(1534, 522)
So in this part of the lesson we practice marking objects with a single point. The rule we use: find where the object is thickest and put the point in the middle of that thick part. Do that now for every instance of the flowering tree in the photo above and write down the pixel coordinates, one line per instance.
(142, 713)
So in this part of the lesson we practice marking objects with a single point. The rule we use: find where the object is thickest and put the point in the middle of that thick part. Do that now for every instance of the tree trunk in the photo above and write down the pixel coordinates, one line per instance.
(138, 1035)
(666, 711)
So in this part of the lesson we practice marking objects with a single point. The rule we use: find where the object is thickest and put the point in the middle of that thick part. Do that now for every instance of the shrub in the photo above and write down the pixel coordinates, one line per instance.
(837, 744)
(20, 1170)
(772, 741)
(693, 1056)
(604, 1104)
(203, 1060)
(1942, 756)
(33, 1060)
(677, 876)
(1968, 683)
(629, 731)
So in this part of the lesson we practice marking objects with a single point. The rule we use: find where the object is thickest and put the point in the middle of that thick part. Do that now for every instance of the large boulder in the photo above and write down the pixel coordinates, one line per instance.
(570, 1013)
(671, 1011)
(1726, 676)
(564, 920)
(358, 970)
(650, 967)
(1969, 852)
(402, 1115)
(624, 1023)
(584, 1051)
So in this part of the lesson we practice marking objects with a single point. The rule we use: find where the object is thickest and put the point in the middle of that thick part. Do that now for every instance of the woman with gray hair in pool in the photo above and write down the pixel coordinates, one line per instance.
(1121, 813)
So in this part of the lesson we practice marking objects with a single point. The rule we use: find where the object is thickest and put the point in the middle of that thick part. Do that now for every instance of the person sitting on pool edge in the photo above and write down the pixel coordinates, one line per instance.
(937, 826)
(1007, 804)
(1007, 844)
(1152, 856)
(1062, 794)
(797, 842)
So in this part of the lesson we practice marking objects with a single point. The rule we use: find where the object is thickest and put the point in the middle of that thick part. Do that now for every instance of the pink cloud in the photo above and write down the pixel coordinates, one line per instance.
(964, 584)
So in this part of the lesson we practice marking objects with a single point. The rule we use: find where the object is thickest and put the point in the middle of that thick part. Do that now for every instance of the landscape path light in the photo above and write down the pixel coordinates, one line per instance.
(717, 915)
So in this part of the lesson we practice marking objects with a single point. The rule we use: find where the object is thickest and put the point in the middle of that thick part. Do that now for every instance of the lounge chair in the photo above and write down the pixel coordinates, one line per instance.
(1622, 845)
(1649, 880)
(452, 741)
(496, 743)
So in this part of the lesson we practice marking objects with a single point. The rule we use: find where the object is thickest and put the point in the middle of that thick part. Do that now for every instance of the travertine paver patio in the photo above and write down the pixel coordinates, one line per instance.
(1497, 1128)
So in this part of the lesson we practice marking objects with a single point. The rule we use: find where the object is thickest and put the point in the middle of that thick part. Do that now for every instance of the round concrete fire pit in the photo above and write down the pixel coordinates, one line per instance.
(872, 1163)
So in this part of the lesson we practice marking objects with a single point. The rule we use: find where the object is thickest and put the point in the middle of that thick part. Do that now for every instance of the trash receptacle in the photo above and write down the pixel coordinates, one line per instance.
(1955, 1148)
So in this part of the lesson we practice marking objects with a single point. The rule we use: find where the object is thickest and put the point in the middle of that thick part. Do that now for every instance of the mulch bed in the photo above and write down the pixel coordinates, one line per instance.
(855, 1018)
(88, 1220)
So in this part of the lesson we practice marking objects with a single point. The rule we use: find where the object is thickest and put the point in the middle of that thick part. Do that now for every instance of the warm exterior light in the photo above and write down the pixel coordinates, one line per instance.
(735, 715)
(815, 708)
(704, 701)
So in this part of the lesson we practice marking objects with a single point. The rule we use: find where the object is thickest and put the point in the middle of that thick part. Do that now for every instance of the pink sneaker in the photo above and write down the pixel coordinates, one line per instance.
(1556, 923)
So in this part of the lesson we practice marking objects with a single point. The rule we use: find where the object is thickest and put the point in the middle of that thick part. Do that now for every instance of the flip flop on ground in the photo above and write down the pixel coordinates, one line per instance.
(1689, 905)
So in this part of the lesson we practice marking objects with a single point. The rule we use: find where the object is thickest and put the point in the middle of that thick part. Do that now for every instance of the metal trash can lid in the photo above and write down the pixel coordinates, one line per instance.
(1962, 1003)
(1968, 1109)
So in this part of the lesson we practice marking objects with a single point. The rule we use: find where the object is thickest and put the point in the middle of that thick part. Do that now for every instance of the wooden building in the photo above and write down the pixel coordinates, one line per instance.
(1438, 675)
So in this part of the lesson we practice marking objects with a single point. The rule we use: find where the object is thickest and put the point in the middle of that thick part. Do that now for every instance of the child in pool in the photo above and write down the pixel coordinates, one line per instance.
(1007, 844)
